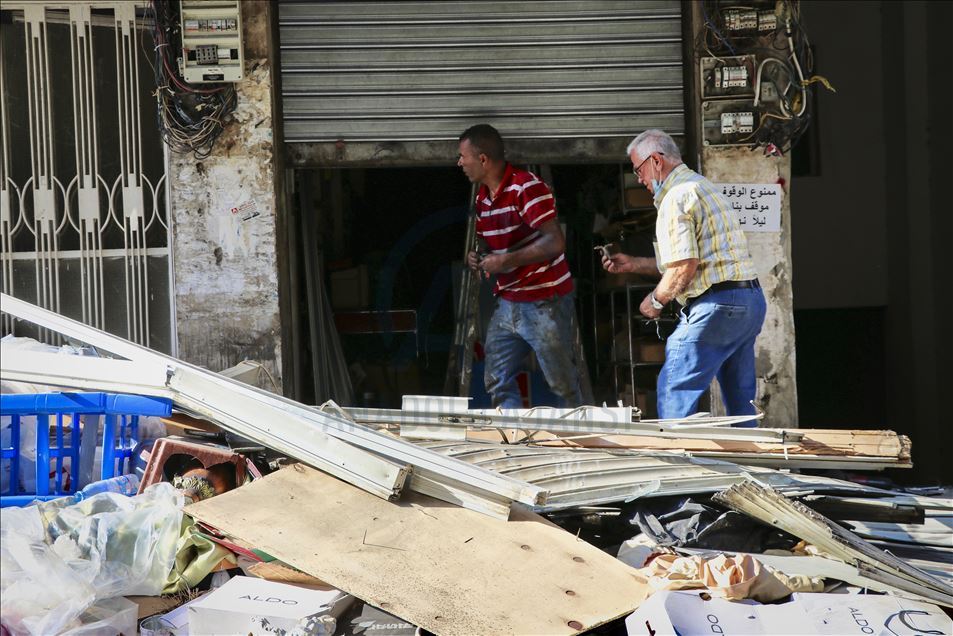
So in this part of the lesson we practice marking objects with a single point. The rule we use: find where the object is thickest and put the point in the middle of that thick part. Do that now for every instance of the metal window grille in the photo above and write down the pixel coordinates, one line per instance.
(84, 226)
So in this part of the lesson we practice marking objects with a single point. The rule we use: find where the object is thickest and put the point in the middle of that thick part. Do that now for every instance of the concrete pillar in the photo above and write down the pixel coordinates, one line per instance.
(225, 226)
(771, 251)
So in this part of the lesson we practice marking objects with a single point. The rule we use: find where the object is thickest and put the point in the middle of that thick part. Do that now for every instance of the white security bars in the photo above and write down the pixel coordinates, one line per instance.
(83, 224)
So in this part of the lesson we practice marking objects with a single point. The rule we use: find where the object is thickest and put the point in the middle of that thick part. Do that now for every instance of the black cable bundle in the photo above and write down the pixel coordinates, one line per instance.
(189, 118)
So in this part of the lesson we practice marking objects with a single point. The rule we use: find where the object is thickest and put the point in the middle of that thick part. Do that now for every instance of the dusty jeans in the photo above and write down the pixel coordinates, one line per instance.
(545, 326)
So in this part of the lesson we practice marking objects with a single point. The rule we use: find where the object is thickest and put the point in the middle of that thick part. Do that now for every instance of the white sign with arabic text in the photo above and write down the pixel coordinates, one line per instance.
(757, 205)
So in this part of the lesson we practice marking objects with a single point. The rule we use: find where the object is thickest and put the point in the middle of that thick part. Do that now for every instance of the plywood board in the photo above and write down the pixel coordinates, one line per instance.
(439, 566)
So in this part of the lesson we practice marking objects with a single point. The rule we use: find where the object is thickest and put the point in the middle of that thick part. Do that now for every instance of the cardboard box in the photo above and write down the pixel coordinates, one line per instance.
(644, 349)
(249, 605)
(638, 198)
(650, 350)
(368, 620)
(350, 288)
(698, 612)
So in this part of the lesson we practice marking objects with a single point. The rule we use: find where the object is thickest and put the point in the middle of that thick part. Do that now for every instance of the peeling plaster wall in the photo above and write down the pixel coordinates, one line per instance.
(771, 251)
(224, 225)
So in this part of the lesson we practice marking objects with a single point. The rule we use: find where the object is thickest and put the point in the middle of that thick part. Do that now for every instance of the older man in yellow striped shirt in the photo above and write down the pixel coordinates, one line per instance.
(703, 257)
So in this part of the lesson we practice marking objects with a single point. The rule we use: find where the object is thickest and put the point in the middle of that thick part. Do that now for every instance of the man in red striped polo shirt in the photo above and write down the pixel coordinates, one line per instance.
(525, 249)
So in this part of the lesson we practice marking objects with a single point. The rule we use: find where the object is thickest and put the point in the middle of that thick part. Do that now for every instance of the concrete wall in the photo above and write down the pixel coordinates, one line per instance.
(771, 251)
(225, 227)
(841, 210)
(919, 224)
(874, 228)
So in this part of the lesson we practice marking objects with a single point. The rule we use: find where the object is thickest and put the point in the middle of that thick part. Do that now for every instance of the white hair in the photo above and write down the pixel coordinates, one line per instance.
(654, 141)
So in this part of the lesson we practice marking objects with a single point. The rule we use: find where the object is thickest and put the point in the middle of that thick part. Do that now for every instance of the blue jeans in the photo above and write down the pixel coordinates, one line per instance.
(714, 338)
(543, 326)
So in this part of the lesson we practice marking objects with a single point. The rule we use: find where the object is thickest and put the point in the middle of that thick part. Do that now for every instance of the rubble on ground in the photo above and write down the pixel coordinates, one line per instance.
(257, 514)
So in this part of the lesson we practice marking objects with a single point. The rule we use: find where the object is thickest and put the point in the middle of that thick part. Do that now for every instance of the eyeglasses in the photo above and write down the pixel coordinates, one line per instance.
(636, 170)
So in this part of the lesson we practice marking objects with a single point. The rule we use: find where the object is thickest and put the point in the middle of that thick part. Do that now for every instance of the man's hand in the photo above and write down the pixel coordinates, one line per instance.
(647, 309)
(494, 264)
(618, 263)
(473, 261)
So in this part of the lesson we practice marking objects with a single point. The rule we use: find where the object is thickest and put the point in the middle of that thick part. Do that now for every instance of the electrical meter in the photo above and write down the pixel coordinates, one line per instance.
(211, 41)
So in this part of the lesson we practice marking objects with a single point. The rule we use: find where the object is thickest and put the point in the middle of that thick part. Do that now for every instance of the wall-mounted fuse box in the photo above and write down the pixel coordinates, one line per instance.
(732, 123)
(731, 77)
(747, 20)
(211, 41)
(738, 19)
(767, 21)
(729, 122)
(727, 76)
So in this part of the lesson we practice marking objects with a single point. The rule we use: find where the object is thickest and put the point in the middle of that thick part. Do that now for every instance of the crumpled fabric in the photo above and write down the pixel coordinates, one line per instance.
(59, 558)
(195, 558)
(731, 577)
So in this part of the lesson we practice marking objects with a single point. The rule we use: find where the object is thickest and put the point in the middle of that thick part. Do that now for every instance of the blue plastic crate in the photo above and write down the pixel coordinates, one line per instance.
(120, 427)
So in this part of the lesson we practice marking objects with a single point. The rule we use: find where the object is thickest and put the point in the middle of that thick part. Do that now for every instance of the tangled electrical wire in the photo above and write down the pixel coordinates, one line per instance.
(787, 63)
(189, 118)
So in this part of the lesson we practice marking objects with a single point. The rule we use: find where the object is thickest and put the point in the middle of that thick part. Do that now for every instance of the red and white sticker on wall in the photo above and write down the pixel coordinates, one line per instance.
(245, 211)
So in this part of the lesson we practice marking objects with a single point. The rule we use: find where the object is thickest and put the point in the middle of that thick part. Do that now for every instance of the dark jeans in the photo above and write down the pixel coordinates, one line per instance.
(545, 326)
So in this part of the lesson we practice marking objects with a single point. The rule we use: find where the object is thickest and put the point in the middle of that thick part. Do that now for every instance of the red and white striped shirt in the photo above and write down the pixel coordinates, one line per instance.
(511, 221)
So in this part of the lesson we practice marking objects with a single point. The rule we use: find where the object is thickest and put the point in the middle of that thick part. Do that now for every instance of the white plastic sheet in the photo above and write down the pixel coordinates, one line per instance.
(57, 560)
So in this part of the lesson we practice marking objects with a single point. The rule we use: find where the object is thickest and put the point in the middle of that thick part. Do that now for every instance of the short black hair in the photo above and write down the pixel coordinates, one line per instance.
(486, 139)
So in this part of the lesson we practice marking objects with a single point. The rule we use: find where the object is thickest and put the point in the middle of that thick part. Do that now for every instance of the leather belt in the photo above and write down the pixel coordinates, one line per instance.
(735, 284)
(727, 284)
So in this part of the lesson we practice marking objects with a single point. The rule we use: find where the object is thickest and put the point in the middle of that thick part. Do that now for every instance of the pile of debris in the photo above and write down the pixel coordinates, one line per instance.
(292, 519)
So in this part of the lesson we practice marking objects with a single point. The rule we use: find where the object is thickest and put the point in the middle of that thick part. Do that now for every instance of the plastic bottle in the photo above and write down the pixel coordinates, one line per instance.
(122, 484)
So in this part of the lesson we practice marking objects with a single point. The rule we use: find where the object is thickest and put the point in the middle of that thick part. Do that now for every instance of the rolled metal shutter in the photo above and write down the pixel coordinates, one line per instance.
(417, 72)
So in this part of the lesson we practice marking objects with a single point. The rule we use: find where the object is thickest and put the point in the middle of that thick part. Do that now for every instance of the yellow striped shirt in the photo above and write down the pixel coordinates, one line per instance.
(696, 221)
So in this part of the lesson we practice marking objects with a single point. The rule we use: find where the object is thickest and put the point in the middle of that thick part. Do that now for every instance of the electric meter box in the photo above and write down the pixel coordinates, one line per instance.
(727, 76)
(729, 122)
(211, 41)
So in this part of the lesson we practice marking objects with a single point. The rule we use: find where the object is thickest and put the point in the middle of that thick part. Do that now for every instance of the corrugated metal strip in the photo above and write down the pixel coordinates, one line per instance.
(423, 71)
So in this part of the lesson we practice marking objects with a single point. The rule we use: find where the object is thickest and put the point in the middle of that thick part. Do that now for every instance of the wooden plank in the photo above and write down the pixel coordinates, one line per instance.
(883, 444)
(445, 568)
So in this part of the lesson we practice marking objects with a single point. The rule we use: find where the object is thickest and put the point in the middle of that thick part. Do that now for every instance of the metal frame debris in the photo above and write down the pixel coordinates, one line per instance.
(369, 459)
(772, 508)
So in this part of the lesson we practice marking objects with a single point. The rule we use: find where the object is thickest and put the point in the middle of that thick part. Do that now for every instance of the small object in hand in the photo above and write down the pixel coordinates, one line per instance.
(481, 256)
(608, 250)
